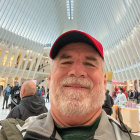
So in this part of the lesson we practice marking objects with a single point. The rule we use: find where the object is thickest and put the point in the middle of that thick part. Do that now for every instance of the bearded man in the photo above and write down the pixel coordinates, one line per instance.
(77, 86)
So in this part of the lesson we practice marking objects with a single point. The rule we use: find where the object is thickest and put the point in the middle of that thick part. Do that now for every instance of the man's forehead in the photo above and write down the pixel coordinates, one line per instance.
(77, 47)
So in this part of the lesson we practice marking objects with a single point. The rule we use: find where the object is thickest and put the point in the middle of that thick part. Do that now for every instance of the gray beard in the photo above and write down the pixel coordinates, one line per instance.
(73, 103)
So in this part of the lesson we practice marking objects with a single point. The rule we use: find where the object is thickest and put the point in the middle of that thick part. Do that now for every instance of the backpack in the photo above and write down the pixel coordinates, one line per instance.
(11, 129)
(15, 129)
(42, 93)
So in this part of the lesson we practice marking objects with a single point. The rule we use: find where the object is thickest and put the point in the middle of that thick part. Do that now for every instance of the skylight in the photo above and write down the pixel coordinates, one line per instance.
(70, 8)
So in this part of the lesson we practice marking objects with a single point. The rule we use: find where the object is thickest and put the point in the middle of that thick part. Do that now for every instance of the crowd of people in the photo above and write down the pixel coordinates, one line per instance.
(13, 92)
(77, 86)
(30, 105)
(121, 96)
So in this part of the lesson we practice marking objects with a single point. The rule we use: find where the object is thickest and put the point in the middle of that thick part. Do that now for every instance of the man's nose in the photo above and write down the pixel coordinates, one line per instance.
(77, 70)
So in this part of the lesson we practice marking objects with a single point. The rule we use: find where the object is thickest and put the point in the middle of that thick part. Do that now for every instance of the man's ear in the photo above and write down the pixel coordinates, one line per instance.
(105, 83)
(49, 81)
(22, 92)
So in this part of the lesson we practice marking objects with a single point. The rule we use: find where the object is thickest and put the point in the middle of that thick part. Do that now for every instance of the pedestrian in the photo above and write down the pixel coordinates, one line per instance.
(47, 97)
(6, 94)
(108, 103)
(121, 98)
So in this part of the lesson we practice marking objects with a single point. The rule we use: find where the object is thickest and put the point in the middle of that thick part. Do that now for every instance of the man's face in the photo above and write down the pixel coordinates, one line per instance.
(77, 81)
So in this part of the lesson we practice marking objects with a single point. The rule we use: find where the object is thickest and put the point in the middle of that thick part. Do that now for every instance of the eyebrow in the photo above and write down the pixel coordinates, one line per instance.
(64, 56)
(91, 58)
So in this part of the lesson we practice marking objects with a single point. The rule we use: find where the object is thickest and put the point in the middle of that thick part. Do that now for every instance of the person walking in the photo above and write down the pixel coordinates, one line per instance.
(108, 103)
(6, 94)
(47, 97)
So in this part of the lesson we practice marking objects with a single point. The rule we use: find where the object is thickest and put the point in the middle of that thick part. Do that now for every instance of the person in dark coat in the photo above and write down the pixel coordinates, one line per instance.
(15, 95)
(108, 103)
(137, 96)
(30, 104)
(47, 97)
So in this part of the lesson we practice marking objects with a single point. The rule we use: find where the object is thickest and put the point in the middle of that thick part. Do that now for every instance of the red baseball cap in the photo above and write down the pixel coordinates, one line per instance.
(74, 36)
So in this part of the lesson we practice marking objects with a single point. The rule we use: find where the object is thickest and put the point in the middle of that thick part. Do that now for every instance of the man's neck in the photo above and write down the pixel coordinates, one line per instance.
(66, 121)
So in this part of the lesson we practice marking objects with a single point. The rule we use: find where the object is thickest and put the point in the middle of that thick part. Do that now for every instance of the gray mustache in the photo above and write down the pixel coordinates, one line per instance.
(74, 80)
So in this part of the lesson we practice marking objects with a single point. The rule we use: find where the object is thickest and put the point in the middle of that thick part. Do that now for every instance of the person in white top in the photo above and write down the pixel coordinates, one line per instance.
(120, 99)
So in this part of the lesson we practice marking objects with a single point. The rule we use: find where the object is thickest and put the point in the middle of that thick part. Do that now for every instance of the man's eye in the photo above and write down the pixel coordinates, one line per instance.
(89, 64)
(67, 62)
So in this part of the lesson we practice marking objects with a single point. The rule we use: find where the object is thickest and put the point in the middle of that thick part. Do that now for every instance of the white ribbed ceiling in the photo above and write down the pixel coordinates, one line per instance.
(108, 20)
(40, 21)
(43, 20)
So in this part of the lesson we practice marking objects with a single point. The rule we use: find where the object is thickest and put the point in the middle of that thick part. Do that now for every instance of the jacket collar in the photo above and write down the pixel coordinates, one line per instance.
(45, 126)
(104, 129)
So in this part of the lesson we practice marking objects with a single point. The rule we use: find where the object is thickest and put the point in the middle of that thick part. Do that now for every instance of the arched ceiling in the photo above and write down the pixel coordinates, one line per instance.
(41, 21)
